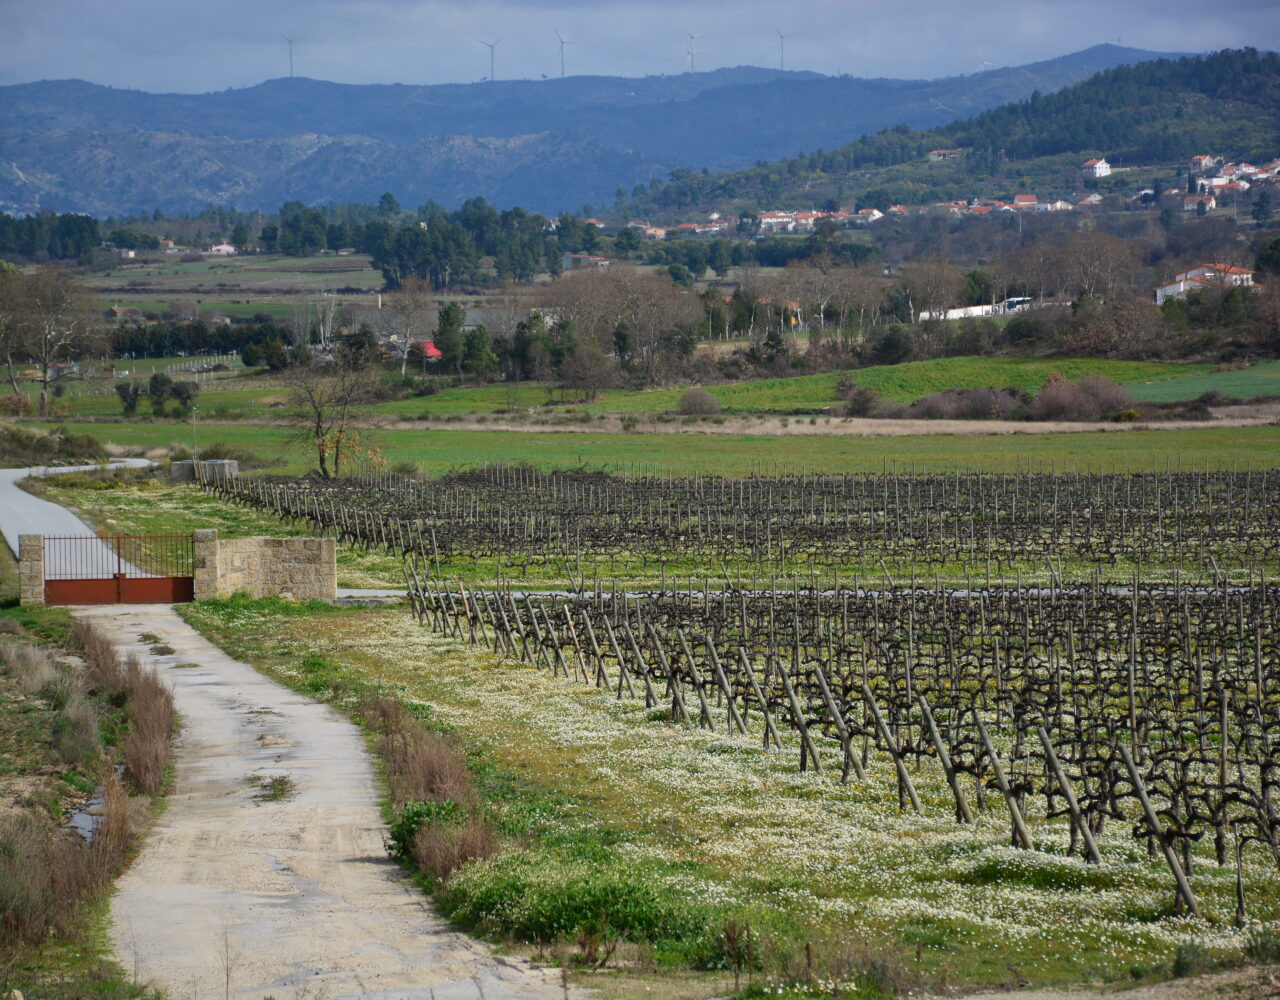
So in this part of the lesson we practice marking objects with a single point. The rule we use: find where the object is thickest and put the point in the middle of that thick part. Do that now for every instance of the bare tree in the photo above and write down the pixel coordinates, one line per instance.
(326, 318)
(57, 323)
(326, 397)
(414, 305)
(1098, 264)
(12, 287)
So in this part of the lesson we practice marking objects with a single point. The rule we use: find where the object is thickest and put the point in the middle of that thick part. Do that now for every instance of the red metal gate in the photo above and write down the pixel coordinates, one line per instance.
(118, 569)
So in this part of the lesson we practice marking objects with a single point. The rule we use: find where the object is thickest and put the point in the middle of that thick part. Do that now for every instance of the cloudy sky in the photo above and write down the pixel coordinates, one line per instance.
(191, 45)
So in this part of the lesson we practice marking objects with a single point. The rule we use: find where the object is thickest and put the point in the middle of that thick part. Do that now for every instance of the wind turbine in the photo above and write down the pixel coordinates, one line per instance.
(563, 42)
(291, 41)
(984, 63)
(782, 49)
(492, 46)
(692, 47)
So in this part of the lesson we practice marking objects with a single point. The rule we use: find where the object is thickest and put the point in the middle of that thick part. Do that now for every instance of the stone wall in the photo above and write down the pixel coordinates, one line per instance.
(30, 569)
(303, 569)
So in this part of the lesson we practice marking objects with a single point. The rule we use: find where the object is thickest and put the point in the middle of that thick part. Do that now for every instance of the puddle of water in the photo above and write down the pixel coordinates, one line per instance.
(86, 818)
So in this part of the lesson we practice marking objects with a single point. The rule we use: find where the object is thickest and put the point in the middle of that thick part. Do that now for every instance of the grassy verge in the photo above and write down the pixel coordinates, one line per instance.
(63, 727)
(699, 835)
(434, 450)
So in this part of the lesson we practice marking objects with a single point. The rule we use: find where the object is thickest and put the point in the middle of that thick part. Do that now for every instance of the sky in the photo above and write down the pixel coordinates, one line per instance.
(194, 46)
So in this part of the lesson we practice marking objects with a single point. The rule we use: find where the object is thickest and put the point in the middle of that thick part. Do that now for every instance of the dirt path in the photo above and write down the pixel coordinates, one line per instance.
(290, 898)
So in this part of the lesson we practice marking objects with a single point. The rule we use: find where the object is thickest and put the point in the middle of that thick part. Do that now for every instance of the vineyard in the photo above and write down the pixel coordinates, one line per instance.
(1091, 658)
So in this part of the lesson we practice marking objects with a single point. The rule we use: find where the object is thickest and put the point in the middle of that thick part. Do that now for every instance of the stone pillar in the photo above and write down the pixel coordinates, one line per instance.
(204, 564)
(30, 569)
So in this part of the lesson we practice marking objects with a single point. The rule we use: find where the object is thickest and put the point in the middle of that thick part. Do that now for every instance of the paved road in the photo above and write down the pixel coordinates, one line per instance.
(24, 514)
(300, 893)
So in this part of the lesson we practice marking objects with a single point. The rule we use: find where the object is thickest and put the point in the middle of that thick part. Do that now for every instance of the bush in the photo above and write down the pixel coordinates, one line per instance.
(20, 447)
(404, 830)
(130, 393)
(16, 404)
(537, 899)
(1092, 398)
(698, 402)
(967, 404)
(440, 849)
(423, 767)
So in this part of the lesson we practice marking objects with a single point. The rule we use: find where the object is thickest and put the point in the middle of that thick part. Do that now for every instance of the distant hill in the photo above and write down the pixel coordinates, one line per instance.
(547, 145)
(1155, 112)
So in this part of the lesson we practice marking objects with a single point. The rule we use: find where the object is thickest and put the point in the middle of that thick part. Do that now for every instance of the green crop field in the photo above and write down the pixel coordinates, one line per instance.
(437, 450)
(903, 383)
(1243, 383)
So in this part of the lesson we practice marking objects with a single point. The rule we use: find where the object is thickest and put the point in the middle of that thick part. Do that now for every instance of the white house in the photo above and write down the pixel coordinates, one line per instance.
(1195, 279)
(1218, 274)
(222, 250)
(1192, 202)
(1096, 168)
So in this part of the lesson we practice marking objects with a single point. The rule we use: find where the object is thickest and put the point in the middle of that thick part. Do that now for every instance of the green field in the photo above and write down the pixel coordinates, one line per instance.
(807, 394)
(436, 450)
(1244, 383)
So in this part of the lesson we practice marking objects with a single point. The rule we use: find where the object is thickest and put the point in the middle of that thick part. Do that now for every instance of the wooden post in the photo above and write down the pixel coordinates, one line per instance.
(962, 805)
(891, 745)
(1170, 855)
(1073, 807)
(1019, 825)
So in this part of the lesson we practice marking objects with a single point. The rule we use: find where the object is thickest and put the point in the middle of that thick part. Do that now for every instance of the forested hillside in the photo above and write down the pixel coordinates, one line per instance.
(549, 145)
(1155, 112)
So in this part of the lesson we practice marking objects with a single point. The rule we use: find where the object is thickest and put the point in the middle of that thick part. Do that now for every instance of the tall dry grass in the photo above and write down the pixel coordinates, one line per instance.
(440, 849)
(146, 747)
(46, 870)
(424, 767)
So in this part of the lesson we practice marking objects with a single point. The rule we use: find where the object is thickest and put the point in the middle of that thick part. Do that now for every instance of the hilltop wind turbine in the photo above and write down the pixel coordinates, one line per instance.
(782, 49)
(563, 42)
(492, 46)
(692, 47)
(984, 63)
(291, 41)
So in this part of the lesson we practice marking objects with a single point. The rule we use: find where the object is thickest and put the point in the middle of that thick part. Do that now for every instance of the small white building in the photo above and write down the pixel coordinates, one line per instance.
(222, 250)
(1096, 168)
(1196, 279)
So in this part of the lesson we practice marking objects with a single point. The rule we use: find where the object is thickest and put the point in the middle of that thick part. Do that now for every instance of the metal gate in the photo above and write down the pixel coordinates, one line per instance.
(118, 569)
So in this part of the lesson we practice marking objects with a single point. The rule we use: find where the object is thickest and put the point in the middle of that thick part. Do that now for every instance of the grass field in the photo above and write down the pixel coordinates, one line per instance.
(903, 383)
(1245, 383)
(801, 394)
(437, 450)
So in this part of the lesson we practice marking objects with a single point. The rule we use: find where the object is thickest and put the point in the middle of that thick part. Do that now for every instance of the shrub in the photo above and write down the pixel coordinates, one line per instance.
(698, 402)
(16, 404)
(423, 767)
(146, 746)
(1089, 399)
(440, 849)
(404, 830)
(130, 393)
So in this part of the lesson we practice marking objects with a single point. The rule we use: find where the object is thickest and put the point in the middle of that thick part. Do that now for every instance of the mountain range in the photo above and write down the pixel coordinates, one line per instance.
(547, 145)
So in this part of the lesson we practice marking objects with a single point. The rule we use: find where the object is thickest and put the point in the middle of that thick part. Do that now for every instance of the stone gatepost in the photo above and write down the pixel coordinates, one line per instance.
(204, 564)
(30, 569)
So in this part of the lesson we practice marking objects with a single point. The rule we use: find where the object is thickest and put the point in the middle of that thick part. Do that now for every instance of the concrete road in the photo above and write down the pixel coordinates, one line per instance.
(24, 514)
(291, 898)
